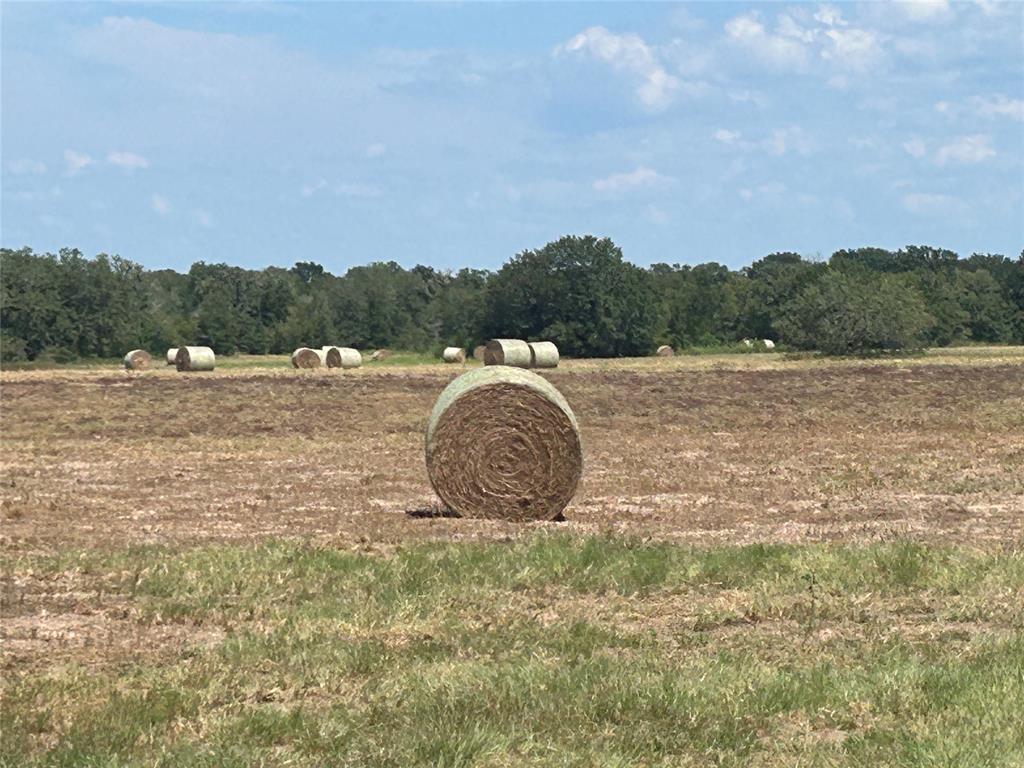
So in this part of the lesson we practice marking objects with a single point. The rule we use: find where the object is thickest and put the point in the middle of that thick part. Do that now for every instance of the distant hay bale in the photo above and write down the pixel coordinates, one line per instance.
(137, 360)
(479, 351)
(503, 443)
(454, 355)
(172, 353)
(331, 356)
(665, 351)
(304, 357)
(380, 354)
(349, 358)
(513, 352)
(769, 344)
(543, 354)
(195, 359)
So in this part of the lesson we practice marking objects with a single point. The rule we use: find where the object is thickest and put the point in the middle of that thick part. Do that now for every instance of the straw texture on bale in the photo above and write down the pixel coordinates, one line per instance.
(137, 360)
(331, 357)
(304, 357)
(380, 354)
(478, 352)
(503, 443)
(350, 358)
(514, 352)
(454, 355)
(665, 351)
(195, 359)
(172, 353)
(543, 354)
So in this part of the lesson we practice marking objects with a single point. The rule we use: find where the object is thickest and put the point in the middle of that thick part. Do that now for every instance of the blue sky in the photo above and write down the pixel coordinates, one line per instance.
(460, 134)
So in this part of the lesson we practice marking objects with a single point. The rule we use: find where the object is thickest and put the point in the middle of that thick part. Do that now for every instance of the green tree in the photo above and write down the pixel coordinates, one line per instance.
(578, 292)
(856, 313)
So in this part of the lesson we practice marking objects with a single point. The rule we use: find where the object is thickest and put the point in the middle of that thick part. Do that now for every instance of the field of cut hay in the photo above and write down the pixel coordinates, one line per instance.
(768, 562)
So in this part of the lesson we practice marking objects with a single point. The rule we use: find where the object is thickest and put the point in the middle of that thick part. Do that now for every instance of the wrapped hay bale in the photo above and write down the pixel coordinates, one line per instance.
(137, 360)
(543, 354)
(478, 352)
(304, 357)
(380, 354)
(331, 357)
(349, 358)
(769, 344)
(195, 359)
(172, 353)
(503, 443)
(665, 351)
(454, 355)
(513, 352)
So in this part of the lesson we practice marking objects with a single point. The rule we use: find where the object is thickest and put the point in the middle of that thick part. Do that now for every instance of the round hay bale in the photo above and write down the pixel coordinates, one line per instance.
(454, 355)
(137, 360)
(380, 354)
(172, 353)
(769, 344)
(350, 358)
(503, 443)
(304, 357)
(513, 352)
(479, 351)
(665, 351)
(331, 357)
(543, 354)
(195, 359)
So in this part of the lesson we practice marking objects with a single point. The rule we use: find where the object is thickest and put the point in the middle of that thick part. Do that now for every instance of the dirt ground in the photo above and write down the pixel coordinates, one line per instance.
(751, 448)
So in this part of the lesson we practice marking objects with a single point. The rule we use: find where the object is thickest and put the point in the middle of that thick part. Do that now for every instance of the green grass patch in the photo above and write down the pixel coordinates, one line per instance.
(549, 650)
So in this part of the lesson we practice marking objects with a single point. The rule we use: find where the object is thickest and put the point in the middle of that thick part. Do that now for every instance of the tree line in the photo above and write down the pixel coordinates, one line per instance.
(579, 292)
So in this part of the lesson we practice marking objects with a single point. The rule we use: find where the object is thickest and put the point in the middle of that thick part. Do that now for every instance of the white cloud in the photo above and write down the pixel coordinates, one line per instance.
(771, 191)
(830, 16)
(129, 161)
(791, 139)
(925, 10)
(160, 205)
(999, 106)
(629, 54)
(777, 50)
(915, 147)
(923, 203)
(308, 190)
(203, 218)
(25, 165)
(617, 182)
(75, 162)
(855, 49)
(726, 136)
(376, 150)
(965, 149)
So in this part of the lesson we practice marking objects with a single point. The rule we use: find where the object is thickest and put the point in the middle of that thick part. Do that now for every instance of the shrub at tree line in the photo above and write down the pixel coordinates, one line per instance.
(578, 292)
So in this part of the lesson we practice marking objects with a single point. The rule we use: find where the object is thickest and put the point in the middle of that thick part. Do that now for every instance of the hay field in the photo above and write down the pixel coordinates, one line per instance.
(769, 562)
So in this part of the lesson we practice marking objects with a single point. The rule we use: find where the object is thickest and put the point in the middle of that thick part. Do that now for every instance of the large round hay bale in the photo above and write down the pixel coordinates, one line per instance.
(380, 354)
(331, 357)
(513, 352)
(769, 344)
(172, 353)
(454, 355)
(304, 357)
(137, 360)
(503, 443)
(350, 358)
(543, 354)
(195, 359)
(665, 351)
(479, 351)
